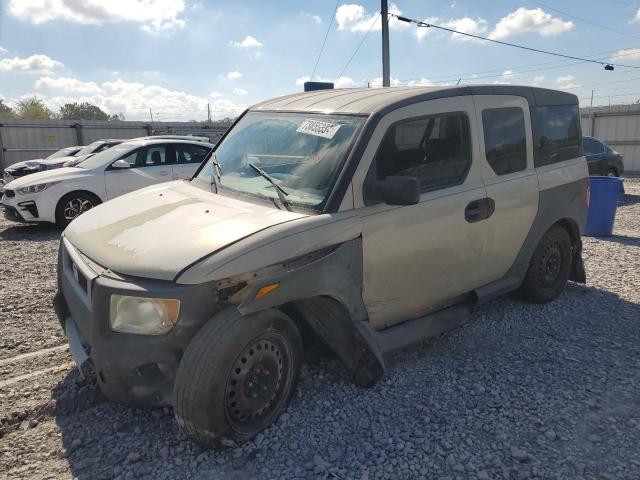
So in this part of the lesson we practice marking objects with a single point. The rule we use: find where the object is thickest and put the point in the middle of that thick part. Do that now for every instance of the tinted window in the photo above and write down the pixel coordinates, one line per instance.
(157, 155)
(191, 153)
(132, 158)
(591, 146)
(556, 134)
(434, 149)
(504, 139)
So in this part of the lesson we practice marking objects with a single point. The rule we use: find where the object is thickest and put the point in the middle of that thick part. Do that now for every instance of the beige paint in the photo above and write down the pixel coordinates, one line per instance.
(420, 255)
(515, 196)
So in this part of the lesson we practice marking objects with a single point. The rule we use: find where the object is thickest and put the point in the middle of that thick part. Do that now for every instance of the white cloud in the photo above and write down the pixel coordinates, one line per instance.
(233, 75)
(156, 16)
(39, 64)
(377, 82)
(530, 20)
(66, 84)
(627, 54)
(248, 42)
(134, 99)
(467, 25)
(216, 94)
(423, 82)
(507, 73)
(3, 50)
(300, 81)
(314, 18)
(239, 91)
(354, 18)
(538, 80)
(566, 82)
(637, 16)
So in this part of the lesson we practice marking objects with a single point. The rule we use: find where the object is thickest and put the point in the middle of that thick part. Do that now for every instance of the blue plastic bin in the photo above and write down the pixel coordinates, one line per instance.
(605, 193)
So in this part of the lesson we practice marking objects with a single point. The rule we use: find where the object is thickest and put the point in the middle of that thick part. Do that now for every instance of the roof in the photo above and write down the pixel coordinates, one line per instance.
(155, 140)
(370, 100)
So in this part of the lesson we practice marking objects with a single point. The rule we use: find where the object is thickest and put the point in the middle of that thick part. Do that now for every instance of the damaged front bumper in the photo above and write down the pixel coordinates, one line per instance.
(135, 369)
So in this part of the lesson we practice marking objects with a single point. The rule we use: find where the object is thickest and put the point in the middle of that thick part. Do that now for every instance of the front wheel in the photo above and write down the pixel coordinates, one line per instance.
(236, 376)
(72, 205)
(549, 268)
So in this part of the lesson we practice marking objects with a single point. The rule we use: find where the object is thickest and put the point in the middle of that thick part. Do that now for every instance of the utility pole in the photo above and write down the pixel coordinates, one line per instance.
(209, 113)
(591, 123)
(151, 114)
(386, 72)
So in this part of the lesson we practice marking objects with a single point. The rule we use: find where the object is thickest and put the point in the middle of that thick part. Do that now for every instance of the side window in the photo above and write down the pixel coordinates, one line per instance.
(505, 141)
(592, 147)
(191, 153)
(132, 157)
(556, 134)
(435, 149)
(157, 155)
(102, 147)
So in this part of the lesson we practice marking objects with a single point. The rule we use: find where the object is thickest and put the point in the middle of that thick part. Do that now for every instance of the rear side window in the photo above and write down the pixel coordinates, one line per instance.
(435, 149)
(191, 153)
(592, 147)
(556, 134)
(505, 140)
(157, 155)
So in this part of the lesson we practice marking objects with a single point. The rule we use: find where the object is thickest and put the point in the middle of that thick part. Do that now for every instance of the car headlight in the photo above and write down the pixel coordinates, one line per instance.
(143, 316)
(36, 188)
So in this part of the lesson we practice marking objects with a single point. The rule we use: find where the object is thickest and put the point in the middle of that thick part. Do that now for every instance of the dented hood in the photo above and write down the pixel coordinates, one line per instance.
(158, 231)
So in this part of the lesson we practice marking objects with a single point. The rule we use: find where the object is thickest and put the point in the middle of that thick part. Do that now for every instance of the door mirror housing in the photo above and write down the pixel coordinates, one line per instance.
(396, 190)
(120, 164)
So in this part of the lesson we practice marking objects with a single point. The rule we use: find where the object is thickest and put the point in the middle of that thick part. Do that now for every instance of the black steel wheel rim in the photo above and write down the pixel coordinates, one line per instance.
(257, 381)
(551, 265)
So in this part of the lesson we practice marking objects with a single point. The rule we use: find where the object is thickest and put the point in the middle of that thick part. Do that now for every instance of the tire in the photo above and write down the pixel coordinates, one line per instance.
(549, 268)
(229, 352)
(76, 202)
(612, 172)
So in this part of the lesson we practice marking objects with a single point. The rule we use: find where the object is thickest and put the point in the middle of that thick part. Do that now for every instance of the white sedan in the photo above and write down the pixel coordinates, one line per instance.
(61, 195)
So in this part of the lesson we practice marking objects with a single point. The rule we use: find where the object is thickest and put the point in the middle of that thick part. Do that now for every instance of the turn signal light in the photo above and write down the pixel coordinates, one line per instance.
(266, 289)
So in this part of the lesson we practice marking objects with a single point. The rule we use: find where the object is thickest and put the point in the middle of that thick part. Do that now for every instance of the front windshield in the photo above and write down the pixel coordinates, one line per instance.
(89, 148)
(302, 152)
(104, 157)
(65, 152)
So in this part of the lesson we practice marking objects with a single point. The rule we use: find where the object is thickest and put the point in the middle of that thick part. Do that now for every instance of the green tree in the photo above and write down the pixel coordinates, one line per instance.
(82, 111)
(32, 107)
(6, 112)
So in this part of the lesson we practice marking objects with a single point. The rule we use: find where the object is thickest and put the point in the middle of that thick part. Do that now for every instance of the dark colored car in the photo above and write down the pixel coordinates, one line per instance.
(601, 158)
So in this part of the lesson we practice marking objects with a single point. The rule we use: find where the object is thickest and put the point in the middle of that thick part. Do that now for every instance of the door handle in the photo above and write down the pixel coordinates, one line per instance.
(479, 210)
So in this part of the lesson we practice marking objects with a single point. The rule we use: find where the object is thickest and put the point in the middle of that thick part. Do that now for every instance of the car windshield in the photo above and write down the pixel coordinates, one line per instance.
(303, 153)
(89, 148)
(65, 152)
(104, 157)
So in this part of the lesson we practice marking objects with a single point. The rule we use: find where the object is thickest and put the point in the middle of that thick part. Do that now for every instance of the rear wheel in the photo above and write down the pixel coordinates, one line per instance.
(612, 172)
(236, 376)
(549, 268)
(74, 204)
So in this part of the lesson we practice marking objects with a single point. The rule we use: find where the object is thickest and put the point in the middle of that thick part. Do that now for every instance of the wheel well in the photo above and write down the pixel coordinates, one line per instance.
(571, 227)
(75, 192)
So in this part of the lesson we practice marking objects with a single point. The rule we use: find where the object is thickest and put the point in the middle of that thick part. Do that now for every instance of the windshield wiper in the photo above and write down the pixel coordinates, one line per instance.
(282, 193)
(216, 171)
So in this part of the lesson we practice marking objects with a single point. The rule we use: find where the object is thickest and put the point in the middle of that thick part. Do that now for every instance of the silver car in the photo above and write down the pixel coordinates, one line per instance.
(366, 219)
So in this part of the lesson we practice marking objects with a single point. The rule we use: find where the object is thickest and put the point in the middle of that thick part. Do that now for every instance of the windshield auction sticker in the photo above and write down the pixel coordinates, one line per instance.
(318, 128)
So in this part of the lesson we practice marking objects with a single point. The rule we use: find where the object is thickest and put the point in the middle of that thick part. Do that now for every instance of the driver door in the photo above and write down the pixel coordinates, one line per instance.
(148, 166)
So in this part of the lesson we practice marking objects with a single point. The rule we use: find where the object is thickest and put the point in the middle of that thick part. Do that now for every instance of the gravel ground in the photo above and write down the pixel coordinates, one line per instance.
(521, 391)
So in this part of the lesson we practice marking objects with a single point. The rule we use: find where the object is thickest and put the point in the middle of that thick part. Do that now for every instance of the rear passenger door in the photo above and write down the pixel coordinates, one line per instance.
(189, 157)
(148, 165)
(509, 177)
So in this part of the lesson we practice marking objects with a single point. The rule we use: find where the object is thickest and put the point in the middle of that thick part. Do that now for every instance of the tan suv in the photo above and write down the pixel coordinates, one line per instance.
(367, 219)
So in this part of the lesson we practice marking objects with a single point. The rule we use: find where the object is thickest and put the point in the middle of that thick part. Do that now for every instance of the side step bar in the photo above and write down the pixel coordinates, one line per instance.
(408, 333)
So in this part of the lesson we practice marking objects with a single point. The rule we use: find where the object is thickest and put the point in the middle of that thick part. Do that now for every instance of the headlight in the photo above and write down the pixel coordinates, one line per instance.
(36, 188)
(141, 315)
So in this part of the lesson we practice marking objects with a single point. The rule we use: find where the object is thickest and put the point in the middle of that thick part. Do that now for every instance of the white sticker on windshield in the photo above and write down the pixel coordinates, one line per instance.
(318, 128)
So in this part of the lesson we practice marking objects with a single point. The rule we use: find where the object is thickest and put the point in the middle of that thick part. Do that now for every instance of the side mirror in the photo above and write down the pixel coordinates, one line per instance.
(120, 164)
(396, 190)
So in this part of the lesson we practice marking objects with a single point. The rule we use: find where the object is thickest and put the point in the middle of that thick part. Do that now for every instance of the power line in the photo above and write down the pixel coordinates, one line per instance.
(536, 2)
(607, 65)
(324, 41)
(359, 45)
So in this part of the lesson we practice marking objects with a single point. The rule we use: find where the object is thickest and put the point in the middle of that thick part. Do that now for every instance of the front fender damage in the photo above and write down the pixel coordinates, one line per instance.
(324, 289)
